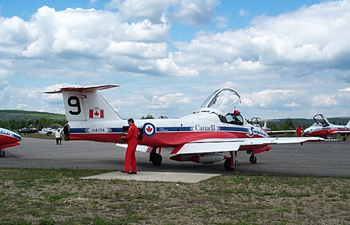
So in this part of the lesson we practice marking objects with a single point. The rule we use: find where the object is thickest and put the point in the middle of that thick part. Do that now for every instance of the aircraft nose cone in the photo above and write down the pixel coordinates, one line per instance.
(18, 137)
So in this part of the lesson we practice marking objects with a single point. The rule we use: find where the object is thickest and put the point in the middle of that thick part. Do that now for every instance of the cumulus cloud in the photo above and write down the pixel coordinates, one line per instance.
(195, 13)
(291, 63)
(312, 37)
(221, 22)
(152, 10)
(345, 89)
(268, 98)
(166, 100)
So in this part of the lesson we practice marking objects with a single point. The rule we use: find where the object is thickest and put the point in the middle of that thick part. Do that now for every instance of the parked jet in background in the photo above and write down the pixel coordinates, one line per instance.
(256, 121)
(213, 134)
(8, 139)
(323, 128)
(47, 131)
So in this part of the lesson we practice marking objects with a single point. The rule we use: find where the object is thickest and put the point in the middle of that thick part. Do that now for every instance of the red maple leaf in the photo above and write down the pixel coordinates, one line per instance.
(149, 129)
(97, 113)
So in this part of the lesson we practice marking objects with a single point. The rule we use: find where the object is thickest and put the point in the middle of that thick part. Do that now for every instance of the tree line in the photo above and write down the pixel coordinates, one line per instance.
(37, 123)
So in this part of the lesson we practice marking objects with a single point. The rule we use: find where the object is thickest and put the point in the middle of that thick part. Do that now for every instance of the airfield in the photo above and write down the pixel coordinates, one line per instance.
(312, 159)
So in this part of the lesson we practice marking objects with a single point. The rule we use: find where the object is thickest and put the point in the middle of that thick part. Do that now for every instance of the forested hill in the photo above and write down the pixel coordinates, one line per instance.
(19, 115)
(17, 119)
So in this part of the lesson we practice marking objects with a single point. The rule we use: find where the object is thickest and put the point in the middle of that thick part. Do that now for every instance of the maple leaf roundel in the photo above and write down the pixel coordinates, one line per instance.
(149, 129)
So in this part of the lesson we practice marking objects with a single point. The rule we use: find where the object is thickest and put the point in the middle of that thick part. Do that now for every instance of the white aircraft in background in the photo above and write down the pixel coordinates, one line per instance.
(8, 139)
(256, 121)
(49, 131)
(323, 128)
(212, 134)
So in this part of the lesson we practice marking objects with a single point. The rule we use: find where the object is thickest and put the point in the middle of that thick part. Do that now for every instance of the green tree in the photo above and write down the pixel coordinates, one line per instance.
(149, 116)
(288, 125)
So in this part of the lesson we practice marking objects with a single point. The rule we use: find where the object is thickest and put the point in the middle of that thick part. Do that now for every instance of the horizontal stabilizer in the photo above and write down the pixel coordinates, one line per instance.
(83, 89)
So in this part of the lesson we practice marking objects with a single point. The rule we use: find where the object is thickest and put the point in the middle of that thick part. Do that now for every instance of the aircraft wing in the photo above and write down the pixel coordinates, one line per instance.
(234, 144)
(272, 132)
(342, 132)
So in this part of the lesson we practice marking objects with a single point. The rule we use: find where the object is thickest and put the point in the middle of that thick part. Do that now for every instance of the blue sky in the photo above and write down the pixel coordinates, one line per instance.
(285, 58)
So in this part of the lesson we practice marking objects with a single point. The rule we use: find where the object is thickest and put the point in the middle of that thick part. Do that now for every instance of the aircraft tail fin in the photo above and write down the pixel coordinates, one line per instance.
(265, 125)
(85, 103)
(348, 124)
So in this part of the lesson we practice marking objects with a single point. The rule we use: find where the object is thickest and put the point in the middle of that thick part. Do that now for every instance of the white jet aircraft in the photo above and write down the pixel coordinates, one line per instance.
(256, 121)
(323, 128)
(212, 134)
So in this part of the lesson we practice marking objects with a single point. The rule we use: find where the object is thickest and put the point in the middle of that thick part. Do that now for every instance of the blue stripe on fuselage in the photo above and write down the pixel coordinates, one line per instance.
(172, 129)
(164, 129)
(237, 129)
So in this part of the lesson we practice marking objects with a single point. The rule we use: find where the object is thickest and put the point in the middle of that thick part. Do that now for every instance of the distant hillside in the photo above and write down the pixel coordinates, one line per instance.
(21, 115)
(307, 122)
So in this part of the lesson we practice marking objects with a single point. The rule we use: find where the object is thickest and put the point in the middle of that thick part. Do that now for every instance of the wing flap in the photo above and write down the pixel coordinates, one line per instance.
(234, 144)
(139, 148)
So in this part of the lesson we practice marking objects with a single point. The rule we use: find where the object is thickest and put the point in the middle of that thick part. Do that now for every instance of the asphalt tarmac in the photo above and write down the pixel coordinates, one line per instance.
(319, 159)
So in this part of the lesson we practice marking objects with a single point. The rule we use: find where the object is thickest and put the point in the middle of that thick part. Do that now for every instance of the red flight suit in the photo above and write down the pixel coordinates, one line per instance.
(299, 130)
(130, 158)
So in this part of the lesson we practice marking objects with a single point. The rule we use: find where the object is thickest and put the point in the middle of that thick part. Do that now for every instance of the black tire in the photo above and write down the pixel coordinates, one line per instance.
(253, 159)
(2, 153)
(227, 165)
(157, 159)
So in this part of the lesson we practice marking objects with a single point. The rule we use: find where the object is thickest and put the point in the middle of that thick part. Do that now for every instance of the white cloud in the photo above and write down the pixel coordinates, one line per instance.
(152, 10)
(292, 64)
(345, 89)
(242, 12)
(190, 12)
(221, 22)
(291, 105)
(167, 100)
(268, 98)
(194, 12)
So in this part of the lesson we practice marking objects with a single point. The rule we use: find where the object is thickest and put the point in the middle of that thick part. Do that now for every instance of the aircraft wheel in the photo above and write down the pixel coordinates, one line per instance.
(157, 159)
(227, 165)
(253, 159)
(344, 138)
(2, 153)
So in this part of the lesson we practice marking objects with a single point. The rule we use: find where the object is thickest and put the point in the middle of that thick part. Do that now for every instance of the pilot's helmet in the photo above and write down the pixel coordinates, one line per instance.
(236, 112)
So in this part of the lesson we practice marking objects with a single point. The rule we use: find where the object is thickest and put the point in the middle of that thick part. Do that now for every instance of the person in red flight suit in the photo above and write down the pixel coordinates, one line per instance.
(299, 131)
(130, 158)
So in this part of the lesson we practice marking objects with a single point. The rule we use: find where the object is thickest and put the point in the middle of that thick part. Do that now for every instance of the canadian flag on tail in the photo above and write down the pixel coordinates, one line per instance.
(96, 113)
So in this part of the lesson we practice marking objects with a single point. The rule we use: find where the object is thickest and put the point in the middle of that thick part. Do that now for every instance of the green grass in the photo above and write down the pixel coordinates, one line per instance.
(50, 196)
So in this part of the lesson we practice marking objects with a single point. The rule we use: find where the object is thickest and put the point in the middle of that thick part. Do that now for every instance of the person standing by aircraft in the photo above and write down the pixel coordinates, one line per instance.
(130, 158)
(299, 130)
(58, 136)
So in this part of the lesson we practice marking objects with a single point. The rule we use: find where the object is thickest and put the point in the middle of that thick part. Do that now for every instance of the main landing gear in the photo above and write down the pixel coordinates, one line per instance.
(253, 159)
(230, 163)
(2, 153)
(155, 157)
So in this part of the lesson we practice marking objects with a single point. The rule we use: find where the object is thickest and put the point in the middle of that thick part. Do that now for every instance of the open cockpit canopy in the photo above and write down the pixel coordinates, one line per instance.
(221, 102)
(320, 120)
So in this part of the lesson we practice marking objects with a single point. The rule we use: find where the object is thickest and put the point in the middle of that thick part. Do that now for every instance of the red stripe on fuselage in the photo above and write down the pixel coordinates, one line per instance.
(159, 139)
